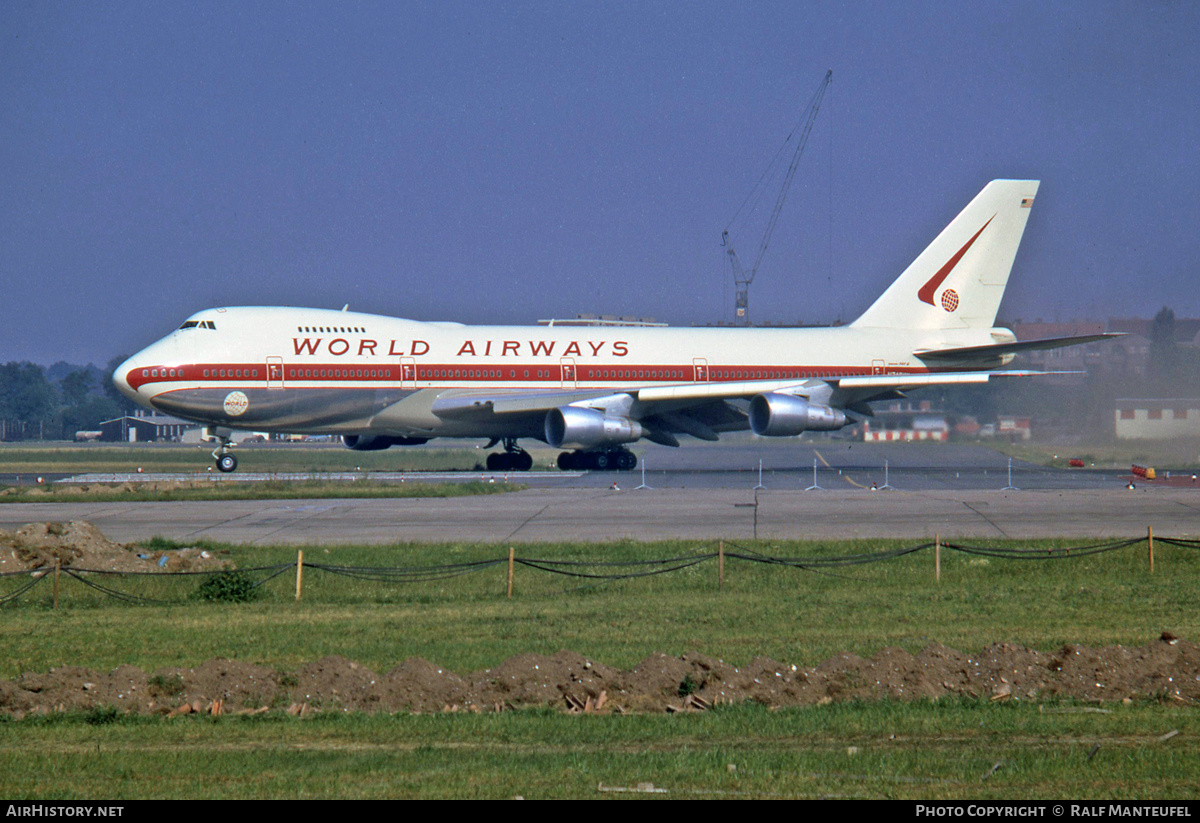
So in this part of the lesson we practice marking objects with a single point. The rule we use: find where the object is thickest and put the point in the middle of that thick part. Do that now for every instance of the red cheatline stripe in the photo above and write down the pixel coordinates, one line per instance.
(440, 376)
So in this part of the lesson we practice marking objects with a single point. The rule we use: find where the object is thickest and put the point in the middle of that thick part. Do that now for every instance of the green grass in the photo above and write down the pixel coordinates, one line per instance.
(467, 623)
(1177, 454)
(948, 749)
(54, 457)
(250, 490)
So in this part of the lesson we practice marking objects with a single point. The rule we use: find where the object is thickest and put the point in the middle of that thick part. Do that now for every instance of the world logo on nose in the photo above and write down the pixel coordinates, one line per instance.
(236, 403)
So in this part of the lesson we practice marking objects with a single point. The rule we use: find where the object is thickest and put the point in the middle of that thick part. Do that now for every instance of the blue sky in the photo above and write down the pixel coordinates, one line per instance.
(505, 162)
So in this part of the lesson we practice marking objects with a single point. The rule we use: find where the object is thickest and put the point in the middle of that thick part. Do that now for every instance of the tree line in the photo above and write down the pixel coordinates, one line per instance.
(38, 403)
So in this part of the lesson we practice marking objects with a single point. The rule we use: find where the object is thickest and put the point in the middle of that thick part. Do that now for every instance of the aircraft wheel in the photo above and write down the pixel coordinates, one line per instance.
(522, 461)
(227, 463)
(602, 460)
(568, 461)
(497, 462)
(626, 461)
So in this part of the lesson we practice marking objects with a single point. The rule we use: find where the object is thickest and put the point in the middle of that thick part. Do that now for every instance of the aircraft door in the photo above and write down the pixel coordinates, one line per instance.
(878, 367)
(274, 372)
(408, 373)
(567, 367)
(700, 369)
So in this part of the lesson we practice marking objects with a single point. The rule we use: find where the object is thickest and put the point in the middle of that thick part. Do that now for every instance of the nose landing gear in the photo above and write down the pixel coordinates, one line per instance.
(226, 462)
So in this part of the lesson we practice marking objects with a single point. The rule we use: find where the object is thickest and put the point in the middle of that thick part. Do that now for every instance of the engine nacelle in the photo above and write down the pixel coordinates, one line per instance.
(782, 415)
(571, 427)
(379, 442)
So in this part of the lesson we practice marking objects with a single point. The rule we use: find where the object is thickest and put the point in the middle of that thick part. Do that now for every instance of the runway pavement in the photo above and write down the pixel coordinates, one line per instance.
(743, 464)
(700, 492)
(541, 515)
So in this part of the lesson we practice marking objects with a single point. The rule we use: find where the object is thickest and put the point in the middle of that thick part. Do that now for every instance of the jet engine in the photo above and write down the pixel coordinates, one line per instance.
(378, 442)
(780, 415)
(571, 427)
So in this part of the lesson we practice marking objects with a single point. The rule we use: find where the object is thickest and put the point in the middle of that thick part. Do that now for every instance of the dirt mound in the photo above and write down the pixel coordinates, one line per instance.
(417, 685)
(566, 678)
(1166, 669)
(80, 545)
(41, 545)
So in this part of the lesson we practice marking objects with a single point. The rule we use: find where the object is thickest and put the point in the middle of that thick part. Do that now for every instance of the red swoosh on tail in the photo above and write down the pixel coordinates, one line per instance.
(925, 293)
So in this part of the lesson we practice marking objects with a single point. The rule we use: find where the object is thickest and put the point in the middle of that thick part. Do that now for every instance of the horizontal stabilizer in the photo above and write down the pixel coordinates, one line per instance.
(998, 349)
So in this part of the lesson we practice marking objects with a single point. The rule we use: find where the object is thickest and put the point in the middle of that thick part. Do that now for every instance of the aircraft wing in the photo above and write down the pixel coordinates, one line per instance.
(702, 410)
(460, 404)
(469, 403)
(839, 392)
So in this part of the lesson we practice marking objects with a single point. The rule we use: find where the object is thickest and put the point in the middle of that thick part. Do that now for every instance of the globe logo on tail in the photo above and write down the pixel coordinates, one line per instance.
(949, 296)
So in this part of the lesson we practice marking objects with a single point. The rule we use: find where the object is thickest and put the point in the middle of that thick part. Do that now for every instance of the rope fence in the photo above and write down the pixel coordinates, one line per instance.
(243, 583)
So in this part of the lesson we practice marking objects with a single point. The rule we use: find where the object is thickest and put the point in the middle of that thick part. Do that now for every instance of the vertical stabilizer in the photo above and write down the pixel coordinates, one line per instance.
(959, 280)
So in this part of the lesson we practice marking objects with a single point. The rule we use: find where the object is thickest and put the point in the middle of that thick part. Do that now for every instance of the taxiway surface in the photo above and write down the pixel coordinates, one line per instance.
(698, 494)
(542, 515)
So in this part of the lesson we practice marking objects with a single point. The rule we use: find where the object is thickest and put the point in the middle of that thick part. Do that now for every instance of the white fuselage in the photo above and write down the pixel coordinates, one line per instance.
(303, 354)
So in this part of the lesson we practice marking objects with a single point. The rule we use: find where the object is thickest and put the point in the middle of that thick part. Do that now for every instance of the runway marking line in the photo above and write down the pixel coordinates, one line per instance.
(845, 477)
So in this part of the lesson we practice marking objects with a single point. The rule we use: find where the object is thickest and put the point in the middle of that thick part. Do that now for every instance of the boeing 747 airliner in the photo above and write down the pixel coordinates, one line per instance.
(591, 390)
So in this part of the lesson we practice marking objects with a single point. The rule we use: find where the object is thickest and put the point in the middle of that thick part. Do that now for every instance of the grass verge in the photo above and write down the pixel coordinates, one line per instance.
(265, 490)
(465, 621)
(59, 457)
(947, 750)
(1178, 454)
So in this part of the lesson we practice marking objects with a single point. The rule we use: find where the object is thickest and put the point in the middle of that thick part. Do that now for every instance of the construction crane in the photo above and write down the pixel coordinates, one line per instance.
(741, 278)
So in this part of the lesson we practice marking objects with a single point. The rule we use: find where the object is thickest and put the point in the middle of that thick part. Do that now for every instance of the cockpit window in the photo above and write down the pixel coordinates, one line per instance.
(198, 324)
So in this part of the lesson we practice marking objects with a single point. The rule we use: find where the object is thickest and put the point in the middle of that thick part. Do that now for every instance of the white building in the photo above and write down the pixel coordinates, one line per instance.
(1138, 419)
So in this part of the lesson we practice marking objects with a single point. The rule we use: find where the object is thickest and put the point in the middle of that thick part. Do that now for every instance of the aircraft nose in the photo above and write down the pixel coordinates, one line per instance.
(122, 378)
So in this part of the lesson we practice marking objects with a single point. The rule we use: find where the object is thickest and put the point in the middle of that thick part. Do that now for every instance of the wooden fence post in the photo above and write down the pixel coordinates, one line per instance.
(1150, 546)
(299, 572)
(937, 558)
(720, 564)
(510, 571)
(57, 567)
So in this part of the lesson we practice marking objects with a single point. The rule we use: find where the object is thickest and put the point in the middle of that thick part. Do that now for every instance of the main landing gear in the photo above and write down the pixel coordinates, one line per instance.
(512, 459)
(604, 460)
